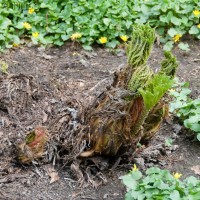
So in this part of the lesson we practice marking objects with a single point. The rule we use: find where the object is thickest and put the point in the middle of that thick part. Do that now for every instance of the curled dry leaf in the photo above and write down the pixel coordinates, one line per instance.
(53, 175)
(33, 145)
(196, 169)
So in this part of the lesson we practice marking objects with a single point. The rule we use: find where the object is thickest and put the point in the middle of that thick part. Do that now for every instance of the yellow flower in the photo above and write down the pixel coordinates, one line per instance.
(31, 10)
(35, 34)
(15, 45)
(196, 13)
(76, 36)
(124, 38)
(198, 25)
(177, 175)
(103, 40)
(177, 37)
(27, 25)
(134, 168)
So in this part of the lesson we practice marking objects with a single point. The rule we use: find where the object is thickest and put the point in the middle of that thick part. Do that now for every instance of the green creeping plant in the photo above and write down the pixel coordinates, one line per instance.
(56, 21)
(187, 109)
(157, 184)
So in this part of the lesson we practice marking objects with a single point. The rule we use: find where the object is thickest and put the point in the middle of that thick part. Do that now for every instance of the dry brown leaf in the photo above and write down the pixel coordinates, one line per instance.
(45, 117)
(53, 175)
(196, 169)
(33, 145)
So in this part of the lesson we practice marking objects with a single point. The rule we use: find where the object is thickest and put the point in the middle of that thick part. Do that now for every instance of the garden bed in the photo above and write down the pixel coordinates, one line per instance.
(71, 75)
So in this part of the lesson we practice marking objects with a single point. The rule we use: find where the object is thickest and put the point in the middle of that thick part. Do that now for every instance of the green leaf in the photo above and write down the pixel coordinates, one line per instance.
(194, 196)
(136, 175)
(172, 32)
(137, 195)
(106, 21)
(195, 127)
(16, 39)
(112, 44)
(193, 122)
(198, 136)
(58, 42)
(163, 18)
(2, 37)
(194, 119)
(184, 20)
(129, 182)
(87, 47)
(5, 23)
(128, 23)
(19, 25)
(168, 46)
(129, 196)
(161, 185)
(176, 21)
(149, 193)
(192, 181)
(194, 30)
(154, 91)
(69, 30)
(160, 30)
(65, 37)
(183, 46)
(153, 170)
(175, 195)
(185, 91)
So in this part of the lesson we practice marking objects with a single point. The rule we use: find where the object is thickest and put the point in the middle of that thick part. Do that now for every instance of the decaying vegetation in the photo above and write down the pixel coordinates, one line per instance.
(133, 108)
(130, 110)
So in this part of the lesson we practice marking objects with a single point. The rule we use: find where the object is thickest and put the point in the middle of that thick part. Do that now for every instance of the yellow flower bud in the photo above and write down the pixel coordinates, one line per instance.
(35, 34)
(76, 36)
(103, 40)
(27, 25)
(31, 10)
(177, 175)
(134, 168)
(177, 37)
(124, 38)
(196, 13)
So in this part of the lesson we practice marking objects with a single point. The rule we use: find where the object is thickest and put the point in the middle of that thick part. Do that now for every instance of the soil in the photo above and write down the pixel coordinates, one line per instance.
(69, 74)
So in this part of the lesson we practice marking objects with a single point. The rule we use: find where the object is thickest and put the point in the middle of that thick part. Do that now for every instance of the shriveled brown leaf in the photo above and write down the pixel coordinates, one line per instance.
(53, 175)
(45, 117)
(196, 169)
(33, 145)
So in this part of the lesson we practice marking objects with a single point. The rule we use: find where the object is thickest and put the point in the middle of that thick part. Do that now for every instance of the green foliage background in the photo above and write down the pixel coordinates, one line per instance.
(160, 185)
(187, 109)
(57, 20)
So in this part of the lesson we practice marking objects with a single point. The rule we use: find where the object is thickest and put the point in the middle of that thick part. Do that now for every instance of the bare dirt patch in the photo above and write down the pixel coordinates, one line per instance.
(46, 83)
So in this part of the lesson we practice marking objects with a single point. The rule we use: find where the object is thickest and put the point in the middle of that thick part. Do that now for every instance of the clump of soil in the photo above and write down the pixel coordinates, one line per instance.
(48, 88)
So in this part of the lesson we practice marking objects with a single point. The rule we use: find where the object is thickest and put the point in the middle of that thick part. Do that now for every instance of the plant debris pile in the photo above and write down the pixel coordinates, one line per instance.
(131, 109)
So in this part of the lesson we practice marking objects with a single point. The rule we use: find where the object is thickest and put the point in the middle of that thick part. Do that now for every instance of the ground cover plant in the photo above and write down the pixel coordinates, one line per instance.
(160, 184)
(107, 23)
(187, 109)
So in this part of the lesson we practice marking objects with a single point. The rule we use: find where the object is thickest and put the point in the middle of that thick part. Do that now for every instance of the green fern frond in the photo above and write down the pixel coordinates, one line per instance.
(140, 46)
(140, 77)
(155, 90)
(169, 65)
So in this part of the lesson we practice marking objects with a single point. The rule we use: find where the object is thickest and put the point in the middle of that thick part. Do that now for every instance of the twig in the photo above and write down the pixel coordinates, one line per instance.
(97, 85)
